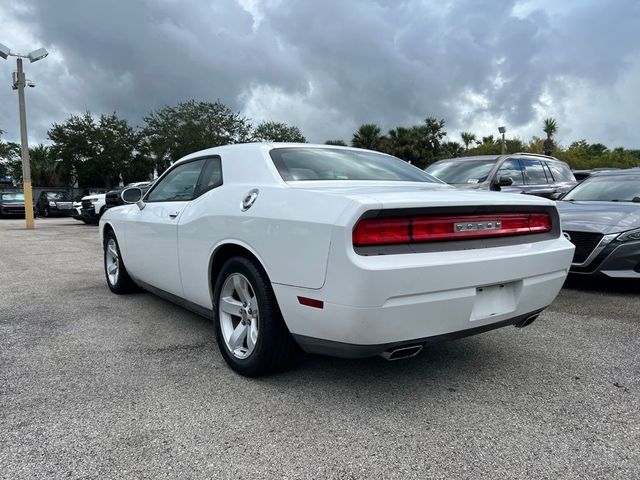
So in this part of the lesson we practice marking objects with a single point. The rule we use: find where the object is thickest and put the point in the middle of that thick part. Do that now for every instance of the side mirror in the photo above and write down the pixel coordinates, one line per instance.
(505, 181)
(133, 195)
(556, 195)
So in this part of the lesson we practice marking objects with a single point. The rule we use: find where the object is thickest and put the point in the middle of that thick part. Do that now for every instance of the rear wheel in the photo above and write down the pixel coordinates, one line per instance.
(118, 279)
(250, 331)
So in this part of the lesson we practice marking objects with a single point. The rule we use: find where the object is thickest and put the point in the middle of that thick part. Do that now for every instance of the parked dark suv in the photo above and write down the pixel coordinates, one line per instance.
(516, 173)
(54, 203)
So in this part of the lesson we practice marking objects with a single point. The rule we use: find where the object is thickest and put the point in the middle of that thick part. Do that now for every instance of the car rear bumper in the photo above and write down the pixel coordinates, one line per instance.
(392, 299)
(350, 350)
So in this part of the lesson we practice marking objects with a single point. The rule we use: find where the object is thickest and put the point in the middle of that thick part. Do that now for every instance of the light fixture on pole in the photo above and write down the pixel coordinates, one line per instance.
(19, 82)
(503, 148)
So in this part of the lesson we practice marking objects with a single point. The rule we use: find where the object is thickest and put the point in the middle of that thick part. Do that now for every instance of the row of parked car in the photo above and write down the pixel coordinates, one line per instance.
(91, 208)
(56, 203)
(600, 215)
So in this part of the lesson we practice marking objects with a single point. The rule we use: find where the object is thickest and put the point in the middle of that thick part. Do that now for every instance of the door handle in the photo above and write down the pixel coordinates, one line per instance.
(173, 214)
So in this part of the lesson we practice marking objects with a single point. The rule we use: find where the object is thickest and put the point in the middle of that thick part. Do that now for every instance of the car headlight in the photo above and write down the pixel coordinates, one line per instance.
(52, 204)
(629, 236)
(94, 200)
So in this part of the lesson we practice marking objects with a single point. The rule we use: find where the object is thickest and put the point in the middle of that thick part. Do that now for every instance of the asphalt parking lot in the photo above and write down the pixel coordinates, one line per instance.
(93, 385)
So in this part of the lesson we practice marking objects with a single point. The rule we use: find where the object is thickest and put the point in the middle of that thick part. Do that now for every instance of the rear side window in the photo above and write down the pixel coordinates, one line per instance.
(211, 176)
(533, 172)
(561, 172)
(511, 168)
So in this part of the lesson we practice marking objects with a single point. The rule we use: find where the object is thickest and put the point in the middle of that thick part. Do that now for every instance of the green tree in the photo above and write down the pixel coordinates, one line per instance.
(278, 132)
(10, 161)
(339, 143)
(514, 145)
(451, 150)
(420, 145)
(98, 153)
(173, 132)
(550, 128)
(44, 168)
(368, 136)
(488, 145)
(467, 139)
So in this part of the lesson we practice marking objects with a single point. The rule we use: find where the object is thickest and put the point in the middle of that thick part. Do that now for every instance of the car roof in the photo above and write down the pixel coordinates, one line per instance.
(254, 154)
(497, 157)
(258, 147)
(616, 173)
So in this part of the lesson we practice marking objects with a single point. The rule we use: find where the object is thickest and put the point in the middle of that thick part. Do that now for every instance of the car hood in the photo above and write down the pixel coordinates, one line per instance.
(413, 194)
(602, 217)
(95, 197)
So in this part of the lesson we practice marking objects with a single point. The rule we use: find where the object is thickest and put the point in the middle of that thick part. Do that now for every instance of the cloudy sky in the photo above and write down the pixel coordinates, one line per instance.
(328, 66)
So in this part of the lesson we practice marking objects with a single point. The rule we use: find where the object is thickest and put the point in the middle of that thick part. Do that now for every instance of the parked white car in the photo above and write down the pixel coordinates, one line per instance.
(93, 206)
(343, 251)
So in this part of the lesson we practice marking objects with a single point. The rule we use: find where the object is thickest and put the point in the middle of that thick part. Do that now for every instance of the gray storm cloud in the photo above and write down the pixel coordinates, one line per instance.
(327, 66)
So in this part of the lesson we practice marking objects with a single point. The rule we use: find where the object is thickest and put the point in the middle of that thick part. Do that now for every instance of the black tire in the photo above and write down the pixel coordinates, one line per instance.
(274, 346)
(45, 212)
(123, 283)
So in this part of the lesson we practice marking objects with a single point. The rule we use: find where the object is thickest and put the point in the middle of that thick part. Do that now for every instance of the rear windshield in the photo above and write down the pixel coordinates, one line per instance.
(621, 188)
(457, 172)
(304, 164)
(8, 197)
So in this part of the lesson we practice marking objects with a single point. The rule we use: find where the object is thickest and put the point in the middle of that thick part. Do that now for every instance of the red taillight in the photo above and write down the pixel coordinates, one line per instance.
(382, 231)
(374, 231)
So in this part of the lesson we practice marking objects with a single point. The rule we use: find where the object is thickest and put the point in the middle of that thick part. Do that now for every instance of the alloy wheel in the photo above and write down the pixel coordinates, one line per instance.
(238, 315)
(112, 262)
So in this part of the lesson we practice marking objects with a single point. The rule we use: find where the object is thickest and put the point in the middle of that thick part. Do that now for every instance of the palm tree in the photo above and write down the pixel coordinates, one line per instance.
(467, 138)
(550, 128)
(367, 136)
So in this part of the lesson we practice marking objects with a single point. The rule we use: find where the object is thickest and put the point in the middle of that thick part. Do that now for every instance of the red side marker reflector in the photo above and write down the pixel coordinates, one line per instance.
(311, 302)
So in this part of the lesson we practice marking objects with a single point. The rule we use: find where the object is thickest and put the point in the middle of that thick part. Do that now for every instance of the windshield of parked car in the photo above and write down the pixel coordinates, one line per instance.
(60, 196)
(303, 164)
(619, 188)
(458, 171)
(12, 197)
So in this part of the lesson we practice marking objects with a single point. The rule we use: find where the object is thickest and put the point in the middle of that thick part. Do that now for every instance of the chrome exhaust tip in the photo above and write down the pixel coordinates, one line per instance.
(401, 352)
(527, 321)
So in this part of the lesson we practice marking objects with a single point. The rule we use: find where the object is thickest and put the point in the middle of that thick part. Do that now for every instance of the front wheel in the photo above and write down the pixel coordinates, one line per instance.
(118, 279)
(250, 330)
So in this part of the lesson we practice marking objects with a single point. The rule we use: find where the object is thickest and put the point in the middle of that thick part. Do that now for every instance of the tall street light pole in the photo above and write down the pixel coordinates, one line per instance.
(19, 82)
(503, 146)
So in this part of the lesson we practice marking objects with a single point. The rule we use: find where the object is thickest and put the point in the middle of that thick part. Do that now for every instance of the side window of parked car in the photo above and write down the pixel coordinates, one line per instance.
(560, 172)
(211, 176)
(533, 172)
(179, 184)
(511, 168)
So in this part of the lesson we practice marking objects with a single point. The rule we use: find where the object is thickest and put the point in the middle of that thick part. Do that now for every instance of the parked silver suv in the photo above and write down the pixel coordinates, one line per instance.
(515, 173)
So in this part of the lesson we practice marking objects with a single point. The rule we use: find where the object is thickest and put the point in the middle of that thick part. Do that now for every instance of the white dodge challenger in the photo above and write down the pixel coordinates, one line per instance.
(342, 251)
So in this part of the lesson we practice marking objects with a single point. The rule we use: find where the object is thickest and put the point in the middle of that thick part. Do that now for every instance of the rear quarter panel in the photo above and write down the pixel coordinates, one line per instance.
(288, 230)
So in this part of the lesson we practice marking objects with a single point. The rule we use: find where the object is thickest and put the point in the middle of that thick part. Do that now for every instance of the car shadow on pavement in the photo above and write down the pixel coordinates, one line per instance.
(603, 284)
